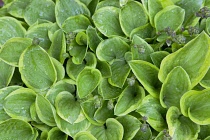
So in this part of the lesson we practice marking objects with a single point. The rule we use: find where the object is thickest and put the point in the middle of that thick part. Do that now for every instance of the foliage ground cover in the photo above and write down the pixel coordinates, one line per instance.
(105, 70)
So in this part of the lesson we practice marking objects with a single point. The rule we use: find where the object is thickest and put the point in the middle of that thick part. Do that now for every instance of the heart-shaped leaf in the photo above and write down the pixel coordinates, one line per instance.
(13, 48)
(36, 68)
(129, 100)
(176, 84)
(55, 133)
(101, 20)
(132, 15)
(84, 136)
(104, 68)
(181, 127)
(191, 62)
(22, 131)
(87, 80)
(17, 103)
(111, 130)
(147, 74)
(174, 15)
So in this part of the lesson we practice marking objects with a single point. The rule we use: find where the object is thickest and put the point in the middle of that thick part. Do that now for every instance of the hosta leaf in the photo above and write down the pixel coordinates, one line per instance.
(141, 50)
(93, 38)
(58, 46)
(101, 20)
(81, 38)
(55, 134)
(17, 8)
(89, 108)
(205, 82)
(103, 113)
(150, 108)
(52, 29)
(65, 9)
(40, 31)
(176, 84)
(132, 15)
(76, 23)
(71, 129)
(144, 31)
(129, 100)
(195, 64)
(111, 49)
(62, 85)
(4, 92)
(36, 68)
(175, 16)
(208, 25)
(131, 126)
(144, 133)
(67, 107)
(41, 126)
(104, 68)
(13, 48)
(33, 113)
(17, 103)
(87, 80)
(147, 74)
(59, 69)
(158, 56)
(44, 9)
(120, 70)
(181, 127)
(45, 110)
(14, 129)
(111, 130)
(6, 73)
(9, 28)
(194, 104)
(108, 91)
(114, 3)
(84, 136)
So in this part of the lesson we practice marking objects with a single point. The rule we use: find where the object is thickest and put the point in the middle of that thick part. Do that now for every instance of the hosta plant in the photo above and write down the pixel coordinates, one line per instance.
(105, 70)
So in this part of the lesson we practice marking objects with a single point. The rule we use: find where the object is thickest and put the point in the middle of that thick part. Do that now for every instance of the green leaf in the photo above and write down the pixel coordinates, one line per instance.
(132, 15)
(105, 3)
(129, 100)
(176, 84)
(9, 28)
(36, 68)
(65, 9)
(59, 69)
(71, 129)
(194, 104)
(108, 91)
(76, 23)
(84, 136)
(157, 57)
(147, 74)
(205, 82)
(17, 103)
(93, 38)
(41, 126)
(13, 48)
(104, 68)
(104, 112)
(181, 127)
(102, 18)
(17, 8)
(67, 107)
(144, 31)
(45, 110)
(58, 46)
(44, 9)
(33, 113)
(195, 64)
(62, 85)
(144, 133)
(111, 49)
(14, 129)
(4, 92)
(40, 31)
(120, 70)
(6, 73)
(87, 80)
(141, 50)
(111, 130)
(81, 38)
(131, 126)
(150, 108)
(55, 134)
(174, 15)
